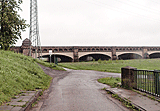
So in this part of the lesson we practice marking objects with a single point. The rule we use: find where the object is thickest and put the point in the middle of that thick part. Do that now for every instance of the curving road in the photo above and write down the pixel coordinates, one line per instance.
(77, 90)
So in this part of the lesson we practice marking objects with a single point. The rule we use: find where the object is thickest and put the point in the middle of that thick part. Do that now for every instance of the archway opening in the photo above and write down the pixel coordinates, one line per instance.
(154, 55)
(129, 56)
(60, 58)
(96, 57)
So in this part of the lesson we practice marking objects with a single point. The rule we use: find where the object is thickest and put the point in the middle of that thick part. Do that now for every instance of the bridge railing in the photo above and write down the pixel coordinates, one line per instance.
(147, 81)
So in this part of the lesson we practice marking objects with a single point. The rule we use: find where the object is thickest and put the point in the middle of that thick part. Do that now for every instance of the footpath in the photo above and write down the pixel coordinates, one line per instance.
(21, 102)
(140, 101)
(24, 101)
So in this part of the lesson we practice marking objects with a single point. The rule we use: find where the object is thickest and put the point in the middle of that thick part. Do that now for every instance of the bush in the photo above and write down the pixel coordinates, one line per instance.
(99, 61)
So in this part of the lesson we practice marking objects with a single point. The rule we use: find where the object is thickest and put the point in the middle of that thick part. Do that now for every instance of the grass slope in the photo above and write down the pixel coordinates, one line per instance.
(113, 82)
(114, 66)
(19, 72)
(55, 67)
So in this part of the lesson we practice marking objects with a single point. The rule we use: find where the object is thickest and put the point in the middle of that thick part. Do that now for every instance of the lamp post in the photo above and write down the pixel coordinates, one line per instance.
(50, 53)
(54, 58)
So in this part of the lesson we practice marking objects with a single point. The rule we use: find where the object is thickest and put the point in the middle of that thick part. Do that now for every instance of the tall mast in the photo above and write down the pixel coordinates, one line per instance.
(34, 30)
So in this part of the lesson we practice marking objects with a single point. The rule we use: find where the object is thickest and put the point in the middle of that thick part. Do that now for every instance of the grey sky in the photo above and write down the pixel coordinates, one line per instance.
(96, 22)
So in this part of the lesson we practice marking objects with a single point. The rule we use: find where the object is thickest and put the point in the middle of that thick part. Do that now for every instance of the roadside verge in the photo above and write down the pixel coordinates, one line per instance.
(134, 100)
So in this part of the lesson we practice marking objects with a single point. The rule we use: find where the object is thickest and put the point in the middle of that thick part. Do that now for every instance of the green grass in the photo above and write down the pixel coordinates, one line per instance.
(19, 73)
(55, 67)
(113, 82)
(115, 65)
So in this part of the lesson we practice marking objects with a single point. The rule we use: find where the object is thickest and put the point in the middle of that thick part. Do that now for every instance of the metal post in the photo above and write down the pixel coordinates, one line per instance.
(54, 58)
(135, 79)
(35, 52)
(155, 81)
(157, 84)
(50, 53)
(158, 80)
(50, 59)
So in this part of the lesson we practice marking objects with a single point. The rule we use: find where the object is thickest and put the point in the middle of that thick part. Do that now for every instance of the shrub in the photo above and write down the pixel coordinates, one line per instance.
(99, 61)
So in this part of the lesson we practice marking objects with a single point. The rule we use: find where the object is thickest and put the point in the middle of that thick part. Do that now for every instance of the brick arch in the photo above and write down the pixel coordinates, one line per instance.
(62, 58)
(154, 55)
(134, 52)
(44, 50)
(129, 55)
(152, 52)
(88, 53)
(68, 54)
(95, 56)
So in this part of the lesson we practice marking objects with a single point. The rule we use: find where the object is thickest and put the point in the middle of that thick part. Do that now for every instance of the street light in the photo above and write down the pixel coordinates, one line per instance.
(54, 58)
(50, 53)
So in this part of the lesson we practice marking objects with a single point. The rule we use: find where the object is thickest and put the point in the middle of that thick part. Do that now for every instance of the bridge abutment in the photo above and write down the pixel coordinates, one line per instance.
(114, 56)
(145, 53)
(75, 54)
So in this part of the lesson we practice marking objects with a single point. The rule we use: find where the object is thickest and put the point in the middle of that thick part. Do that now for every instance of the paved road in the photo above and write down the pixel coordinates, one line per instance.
(77, 90)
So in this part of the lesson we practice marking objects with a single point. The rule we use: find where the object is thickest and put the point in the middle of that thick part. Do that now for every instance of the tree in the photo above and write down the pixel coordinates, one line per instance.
(11, 24)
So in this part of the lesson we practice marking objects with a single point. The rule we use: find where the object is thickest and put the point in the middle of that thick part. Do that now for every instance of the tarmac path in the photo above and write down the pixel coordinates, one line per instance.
(77, 90)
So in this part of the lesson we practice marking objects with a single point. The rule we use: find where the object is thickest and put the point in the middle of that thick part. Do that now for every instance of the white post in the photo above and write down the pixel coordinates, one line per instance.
(50, 53)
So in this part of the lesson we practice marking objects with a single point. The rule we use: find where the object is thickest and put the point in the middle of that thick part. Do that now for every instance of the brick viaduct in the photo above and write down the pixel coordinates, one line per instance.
(83, 53)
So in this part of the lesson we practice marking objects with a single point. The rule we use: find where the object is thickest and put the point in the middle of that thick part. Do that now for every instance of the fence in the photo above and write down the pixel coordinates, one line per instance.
(147, 81)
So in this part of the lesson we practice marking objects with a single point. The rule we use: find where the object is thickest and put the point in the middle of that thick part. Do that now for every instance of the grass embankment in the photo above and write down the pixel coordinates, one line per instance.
(115, 65)
(113, 82)
(55, 67)
(19, 72)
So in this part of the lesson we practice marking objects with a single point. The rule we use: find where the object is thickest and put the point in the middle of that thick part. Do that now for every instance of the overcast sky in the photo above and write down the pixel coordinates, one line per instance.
(96, 22)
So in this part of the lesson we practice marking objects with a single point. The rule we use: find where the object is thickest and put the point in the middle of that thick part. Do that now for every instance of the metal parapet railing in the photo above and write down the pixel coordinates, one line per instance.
(147, 81)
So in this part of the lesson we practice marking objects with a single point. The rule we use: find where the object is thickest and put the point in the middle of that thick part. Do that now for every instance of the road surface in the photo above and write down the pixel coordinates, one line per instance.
(77, 90)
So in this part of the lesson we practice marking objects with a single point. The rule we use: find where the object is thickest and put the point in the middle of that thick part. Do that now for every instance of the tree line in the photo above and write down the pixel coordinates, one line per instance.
(11, 24)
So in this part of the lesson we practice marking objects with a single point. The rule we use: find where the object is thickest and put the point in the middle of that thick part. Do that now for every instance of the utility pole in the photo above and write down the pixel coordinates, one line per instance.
(34, 30)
